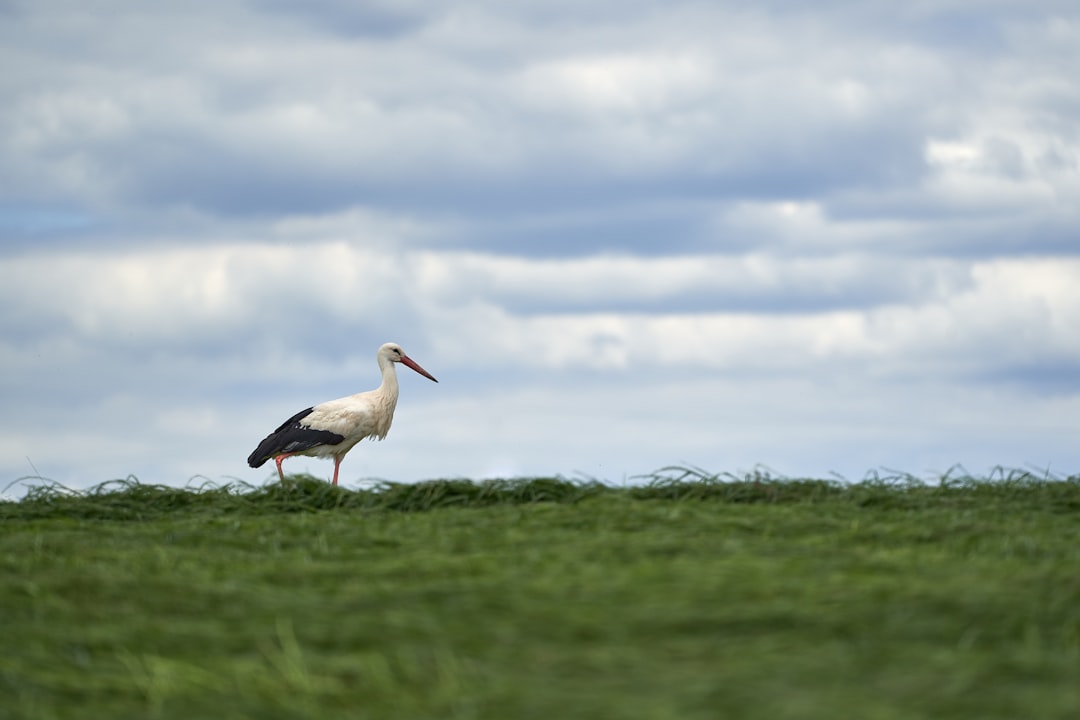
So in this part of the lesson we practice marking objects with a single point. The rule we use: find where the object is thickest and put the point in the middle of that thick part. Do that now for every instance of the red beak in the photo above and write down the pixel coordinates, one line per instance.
(408, 361)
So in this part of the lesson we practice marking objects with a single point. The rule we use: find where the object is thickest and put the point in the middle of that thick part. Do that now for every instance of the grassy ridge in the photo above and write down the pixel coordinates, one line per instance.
(131, 499)
(689, 596)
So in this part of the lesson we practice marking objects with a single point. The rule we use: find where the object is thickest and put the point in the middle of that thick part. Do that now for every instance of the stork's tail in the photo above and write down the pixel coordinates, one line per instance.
(293, 436)
(258, 458)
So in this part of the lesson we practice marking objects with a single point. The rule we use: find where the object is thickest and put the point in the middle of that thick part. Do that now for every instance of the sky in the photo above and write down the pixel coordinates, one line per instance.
(823, 239)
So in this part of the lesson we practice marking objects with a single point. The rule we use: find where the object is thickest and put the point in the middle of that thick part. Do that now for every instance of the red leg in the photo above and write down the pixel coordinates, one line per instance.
(278, 459)
(337, 464)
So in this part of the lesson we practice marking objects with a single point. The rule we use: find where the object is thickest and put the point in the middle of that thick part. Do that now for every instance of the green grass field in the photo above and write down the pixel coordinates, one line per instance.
(686, 597)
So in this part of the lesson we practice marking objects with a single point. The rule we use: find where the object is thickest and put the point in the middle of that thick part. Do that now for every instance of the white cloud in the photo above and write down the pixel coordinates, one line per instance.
(590, 389)
(171, 297)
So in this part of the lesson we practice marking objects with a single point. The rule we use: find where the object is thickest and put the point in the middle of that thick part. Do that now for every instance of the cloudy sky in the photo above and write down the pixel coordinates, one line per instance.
(819, 237)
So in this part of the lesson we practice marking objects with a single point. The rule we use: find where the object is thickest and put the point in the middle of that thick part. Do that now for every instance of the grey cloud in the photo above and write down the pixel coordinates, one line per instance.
(766, 138)
(367, 19)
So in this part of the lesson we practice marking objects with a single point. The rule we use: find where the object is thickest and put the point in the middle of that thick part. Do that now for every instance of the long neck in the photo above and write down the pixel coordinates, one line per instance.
(389, 386)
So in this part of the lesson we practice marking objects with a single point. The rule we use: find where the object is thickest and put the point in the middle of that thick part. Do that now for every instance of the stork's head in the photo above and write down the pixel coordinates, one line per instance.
(393, 353)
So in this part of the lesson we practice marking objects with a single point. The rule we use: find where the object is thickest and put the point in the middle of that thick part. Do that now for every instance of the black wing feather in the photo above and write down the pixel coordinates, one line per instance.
(292, 436)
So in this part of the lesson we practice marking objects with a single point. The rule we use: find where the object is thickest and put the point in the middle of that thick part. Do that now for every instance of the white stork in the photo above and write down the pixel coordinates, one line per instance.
(332, 428)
